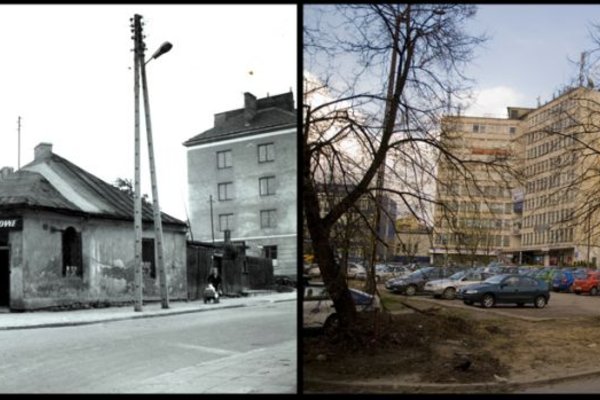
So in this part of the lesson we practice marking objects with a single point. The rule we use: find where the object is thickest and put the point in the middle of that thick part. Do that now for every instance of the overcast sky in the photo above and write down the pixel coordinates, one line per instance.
(67, 71)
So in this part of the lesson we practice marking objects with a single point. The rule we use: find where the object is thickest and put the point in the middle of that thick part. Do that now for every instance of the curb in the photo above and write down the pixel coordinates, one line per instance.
(138, 316)
(486, 310)
(453, 387)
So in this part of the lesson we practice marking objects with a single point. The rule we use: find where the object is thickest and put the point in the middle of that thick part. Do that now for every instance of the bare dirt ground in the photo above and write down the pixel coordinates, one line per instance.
(439, 344)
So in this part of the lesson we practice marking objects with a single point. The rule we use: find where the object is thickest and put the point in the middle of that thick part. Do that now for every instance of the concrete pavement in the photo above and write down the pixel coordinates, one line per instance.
(47, 319)
(398, 386)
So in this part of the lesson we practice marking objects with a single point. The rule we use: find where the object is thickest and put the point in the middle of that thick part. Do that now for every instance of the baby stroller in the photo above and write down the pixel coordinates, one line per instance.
(210, 294)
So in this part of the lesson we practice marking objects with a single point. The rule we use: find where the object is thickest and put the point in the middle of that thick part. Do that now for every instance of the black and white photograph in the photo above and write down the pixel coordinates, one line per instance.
(149, 199)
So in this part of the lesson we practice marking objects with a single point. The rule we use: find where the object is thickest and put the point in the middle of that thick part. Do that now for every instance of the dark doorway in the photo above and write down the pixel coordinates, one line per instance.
(4, 278)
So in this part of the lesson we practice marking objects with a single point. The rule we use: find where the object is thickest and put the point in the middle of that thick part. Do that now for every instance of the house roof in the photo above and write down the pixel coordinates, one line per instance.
(271, 113)
(24, 188)
(54, 182)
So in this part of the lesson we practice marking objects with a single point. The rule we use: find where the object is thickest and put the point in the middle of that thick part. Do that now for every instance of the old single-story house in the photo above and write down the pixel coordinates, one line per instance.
(67, 238)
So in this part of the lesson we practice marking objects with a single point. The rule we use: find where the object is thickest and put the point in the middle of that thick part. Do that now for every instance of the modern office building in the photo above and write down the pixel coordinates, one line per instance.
(542, 209)
(247, 165)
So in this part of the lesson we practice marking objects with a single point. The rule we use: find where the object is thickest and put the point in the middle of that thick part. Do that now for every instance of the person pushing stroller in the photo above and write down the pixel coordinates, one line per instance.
(214, 289)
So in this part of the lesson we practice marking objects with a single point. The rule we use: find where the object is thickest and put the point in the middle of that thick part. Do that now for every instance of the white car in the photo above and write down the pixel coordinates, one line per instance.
(318, 310)
(447, 288)
(355, 269)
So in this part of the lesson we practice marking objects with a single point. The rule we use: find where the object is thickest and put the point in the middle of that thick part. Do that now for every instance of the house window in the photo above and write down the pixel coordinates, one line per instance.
(148, 260)
(270, 252)
(225, 222)
(267, 185)
(268, 218)
(224, 159)
(266, 152)
(71, 246)
(225, 191)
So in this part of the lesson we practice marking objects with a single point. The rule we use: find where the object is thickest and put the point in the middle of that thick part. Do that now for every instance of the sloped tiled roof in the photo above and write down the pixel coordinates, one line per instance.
(106, 200)
(24, 188)
(273, 113)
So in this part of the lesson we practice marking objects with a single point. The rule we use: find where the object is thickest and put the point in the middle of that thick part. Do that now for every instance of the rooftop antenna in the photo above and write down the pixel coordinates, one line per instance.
(19, 143)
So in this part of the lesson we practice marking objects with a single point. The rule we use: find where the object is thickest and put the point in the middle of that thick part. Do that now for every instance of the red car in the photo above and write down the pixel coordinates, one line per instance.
(591, 284)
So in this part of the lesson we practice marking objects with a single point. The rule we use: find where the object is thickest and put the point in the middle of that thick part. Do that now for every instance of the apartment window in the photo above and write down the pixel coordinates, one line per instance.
(225, 222)
(148, 258)
(224, 159)
(225, 191)
(512, 129)
(267, 186)
(71, 247)
(266, 152)
(268, 218)
(270, 252)
(478, 128)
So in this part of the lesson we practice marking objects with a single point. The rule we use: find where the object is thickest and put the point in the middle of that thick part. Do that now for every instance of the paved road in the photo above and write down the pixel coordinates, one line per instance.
(242, 350)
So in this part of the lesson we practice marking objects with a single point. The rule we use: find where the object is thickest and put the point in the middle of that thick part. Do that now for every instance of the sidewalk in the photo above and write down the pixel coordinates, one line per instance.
(51, 319)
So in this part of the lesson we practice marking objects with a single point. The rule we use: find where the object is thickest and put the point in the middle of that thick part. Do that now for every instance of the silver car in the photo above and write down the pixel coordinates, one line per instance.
(447, 288)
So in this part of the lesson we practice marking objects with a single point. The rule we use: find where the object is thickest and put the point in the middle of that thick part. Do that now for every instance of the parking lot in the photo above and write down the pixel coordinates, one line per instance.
(560, 306)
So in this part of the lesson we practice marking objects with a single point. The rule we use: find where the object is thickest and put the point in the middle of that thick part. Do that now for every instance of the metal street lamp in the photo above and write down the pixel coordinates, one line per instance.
(164, 48)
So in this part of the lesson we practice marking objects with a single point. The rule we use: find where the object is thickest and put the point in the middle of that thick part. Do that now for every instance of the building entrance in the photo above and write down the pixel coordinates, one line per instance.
(4, 277)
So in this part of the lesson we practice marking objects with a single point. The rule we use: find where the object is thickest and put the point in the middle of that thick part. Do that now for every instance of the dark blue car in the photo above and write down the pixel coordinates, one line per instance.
(562, 281)
(506, 289)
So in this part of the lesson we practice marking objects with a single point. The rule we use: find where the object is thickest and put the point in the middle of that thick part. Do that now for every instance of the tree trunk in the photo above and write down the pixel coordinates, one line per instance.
(333, 278)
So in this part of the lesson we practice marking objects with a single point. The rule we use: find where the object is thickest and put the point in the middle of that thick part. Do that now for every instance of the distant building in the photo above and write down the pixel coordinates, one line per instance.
(66, 239)
(247, 162)
(545, 213)
(413, 241)
(351, 235)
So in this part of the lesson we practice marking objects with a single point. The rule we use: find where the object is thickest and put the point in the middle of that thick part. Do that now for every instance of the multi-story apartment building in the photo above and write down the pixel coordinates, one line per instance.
(545, 208)
(247, 165)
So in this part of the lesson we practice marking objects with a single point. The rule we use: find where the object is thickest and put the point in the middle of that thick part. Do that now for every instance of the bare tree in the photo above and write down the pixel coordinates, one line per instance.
(399, 67)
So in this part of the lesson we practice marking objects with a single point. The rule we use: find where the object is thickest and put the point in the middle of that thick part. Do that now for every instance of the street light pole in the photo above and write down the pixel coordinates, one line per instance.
(137, 213)
(158, 232)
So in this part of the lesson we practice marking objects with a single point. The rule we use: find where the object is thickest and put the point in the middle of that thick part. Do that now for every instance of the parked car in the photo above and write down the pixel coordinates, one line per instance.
(590, 284)
(384, 272)
(415, 281)
(563, 280)
(546, 274)
(447, 288)
(318, 309)
(354, 269)
(314, 271)
(506, 288)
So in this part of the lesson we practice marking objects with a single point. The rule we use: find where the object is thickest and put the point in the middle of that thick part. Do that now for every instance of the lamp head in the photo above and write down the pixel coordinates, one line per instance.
(164, 48)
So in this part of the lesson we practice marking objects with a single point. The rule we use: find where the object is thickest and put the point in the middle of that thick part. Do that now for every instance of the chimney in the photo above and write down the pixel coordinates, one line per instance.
(220, 118)
(5, 172)
(43, 151)
(249, 107)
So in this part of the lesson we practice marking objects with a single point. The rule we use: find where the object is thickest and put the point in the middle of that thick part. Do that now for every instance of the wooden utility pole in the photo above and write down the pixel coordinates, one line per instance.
(137, 281)
(19, 143)
(158, 232)
(140, 69)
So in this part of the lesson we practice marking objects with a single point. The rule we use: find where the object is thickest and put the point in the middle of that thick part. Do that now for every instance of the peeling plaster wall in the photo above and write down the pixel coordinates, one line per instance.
(107, 254)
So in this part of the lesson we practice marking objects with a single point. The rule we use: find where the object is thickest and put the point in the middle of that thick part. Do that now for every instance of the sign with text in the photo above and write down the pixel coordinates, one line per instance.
(11, 223)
